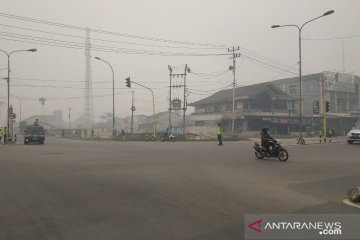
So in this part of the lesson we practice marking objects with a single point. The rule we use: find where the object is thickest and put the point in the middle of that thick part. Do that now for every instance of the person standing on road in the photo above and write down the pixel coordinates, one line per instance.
(219, 134)
(2, 133)
(5, 135)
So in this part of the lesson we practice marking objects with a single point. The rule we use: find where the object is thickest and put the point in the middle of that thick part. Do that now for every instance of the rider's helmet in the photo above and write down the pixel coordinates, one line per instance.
(265, 129)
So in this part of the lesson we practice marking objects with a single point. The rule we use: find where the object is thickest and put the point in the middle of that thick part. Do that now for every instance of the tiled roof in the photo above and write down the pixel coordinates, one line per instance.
(246, 92)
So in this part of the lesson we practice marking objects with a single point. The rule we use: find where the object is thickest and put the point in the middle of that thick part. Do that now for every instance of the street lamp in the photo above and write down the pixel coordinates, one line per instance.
(8, 82)
(301, 139)
(112, 70)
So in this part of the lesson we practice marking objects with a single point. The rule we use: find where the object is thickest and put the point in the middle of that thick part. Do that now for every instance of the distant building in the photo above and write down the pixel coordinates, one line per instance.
(162, 122)
(255, 106)
(340, 89)
(276, 105)
(137, 121)
(47, 121)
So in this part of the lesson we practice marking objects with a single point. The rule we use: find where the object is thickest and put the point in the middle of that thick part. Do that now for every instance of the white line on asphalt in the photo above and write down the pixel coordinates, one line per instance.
(348, 202)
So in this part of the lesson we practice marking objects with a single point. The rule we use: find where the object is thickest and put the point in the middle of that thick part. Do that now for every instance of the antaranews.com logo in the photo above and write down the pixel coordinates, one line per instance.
(301, 226)
(323, 228)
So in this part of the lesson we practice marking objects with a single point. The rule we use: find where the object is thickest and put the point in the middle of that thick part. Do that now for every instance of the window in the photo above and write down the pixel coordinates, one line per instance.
(292, 89)
(199, 123)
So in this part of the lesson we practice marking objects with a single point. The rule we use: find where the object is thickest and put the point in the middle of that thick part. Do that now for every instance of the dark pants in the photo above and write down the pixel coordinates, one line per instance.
(220, 139)
(267, 144)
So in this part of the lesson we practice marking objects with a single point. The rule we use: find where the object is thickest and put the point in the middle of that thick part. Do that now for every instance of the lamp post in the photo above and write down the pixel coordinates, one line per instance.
(113, 94)
(8, 82)
(301, 139)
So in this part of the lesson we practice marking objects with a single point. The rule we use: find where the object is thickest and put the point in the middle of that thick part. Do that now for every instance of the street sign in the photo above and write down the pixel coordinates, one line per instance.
(12, 115)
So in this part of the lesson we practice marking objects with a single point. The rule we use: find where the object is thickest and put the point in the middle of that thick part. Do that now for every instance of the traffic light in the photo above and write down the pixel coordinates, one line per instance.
(128, 82)
(327, 106)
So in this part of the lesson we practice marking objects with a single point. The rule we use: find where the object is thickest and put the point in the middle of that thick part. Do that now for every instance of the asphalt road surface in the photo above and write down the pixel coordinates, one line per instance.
(78, 190)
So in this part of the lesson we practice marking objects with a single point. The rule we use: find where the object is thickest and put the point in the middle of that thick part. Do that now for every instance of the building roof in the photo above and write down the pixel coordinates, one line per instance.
(246, 92)
(309, 77)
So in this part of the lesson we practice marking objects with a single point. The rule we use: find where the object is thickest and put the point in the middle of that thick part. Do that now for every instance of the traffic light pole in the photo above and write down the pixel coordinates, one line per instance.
(132, 112)
(324, 123)
(323, 108)
(128, 84)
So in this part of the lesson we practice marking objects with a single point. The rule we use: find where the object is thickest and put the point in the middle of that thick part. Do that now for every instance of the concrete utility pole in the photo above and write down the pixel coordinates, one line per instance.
(233, 68)
(69, 118)
(185, 101)
(170, 104)
(175, 104)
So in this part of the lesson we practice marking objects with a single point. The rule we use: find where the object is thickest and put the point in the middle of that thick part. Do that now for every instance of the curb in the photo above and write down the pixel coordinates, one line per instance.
(314, 143)
(349, 203)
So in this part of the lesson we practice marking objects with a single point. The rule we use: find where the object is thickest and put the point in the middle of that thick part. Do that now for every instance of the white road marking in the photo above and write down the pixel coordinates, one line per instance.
(348, 202)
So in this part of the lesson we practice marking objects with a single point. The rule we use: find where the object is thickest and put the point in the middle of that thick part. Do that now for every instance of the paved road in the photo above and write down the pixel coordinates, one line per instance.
(78, 190)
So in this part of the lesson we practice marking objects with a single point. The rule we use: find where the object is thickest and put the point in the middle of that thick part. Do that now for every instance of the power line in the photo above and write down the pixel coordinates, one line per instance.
(213, 46)
(99, 48)
(110, 41)
(332, 38)
(108, 32)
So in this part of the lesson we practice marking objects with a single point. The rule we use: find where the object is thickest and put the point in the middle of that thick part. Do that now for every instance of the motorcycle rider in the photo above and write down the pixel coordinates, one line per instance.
(266, 139)
(166, 134)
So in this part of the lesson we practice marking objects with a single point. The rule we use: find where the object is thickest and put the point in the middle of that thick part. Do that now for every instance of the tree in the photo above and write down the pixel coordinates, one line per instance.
(42, 102)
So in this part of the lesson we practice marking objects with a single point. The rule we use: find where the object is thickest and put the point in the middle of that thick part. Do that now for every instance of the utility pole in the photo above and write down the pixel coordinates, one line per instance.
(69, 118)
(175, 104)
(170, 104)
(184, 102)
(233, 68)
(343, 55)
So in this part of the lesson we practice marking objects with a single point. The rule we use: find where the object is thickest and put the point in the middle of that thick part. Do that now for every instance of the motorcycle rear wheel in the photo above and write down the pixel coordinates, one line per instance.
(283, 155)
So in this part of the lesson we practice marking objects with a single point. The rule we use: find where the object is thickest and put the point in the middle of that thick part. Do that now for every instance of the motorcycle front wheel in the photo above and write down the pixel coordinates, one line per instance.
(283, 155)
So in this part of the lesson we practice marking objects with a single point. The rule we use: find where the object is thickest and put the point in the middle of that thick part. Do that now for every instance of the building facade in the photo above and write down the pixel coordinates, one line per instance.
(276, 104)
(255, 106)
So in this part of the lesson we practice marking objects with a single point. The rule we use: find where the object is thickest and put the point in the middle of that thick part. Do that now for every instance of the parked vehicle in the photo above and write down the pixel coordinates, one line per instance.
(353, 136)
(34, 133)
(277, 151)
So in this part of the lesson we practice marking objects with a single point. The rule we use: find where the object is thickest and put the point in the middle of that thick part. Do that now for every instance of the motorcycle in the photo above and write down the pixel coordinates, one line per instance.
(168, 138)
(277, 151)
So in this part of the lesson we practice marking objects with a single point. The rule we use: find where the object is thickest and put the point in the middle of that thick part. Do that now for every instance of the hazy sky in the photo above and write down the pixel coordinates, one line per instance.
(57, 72)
